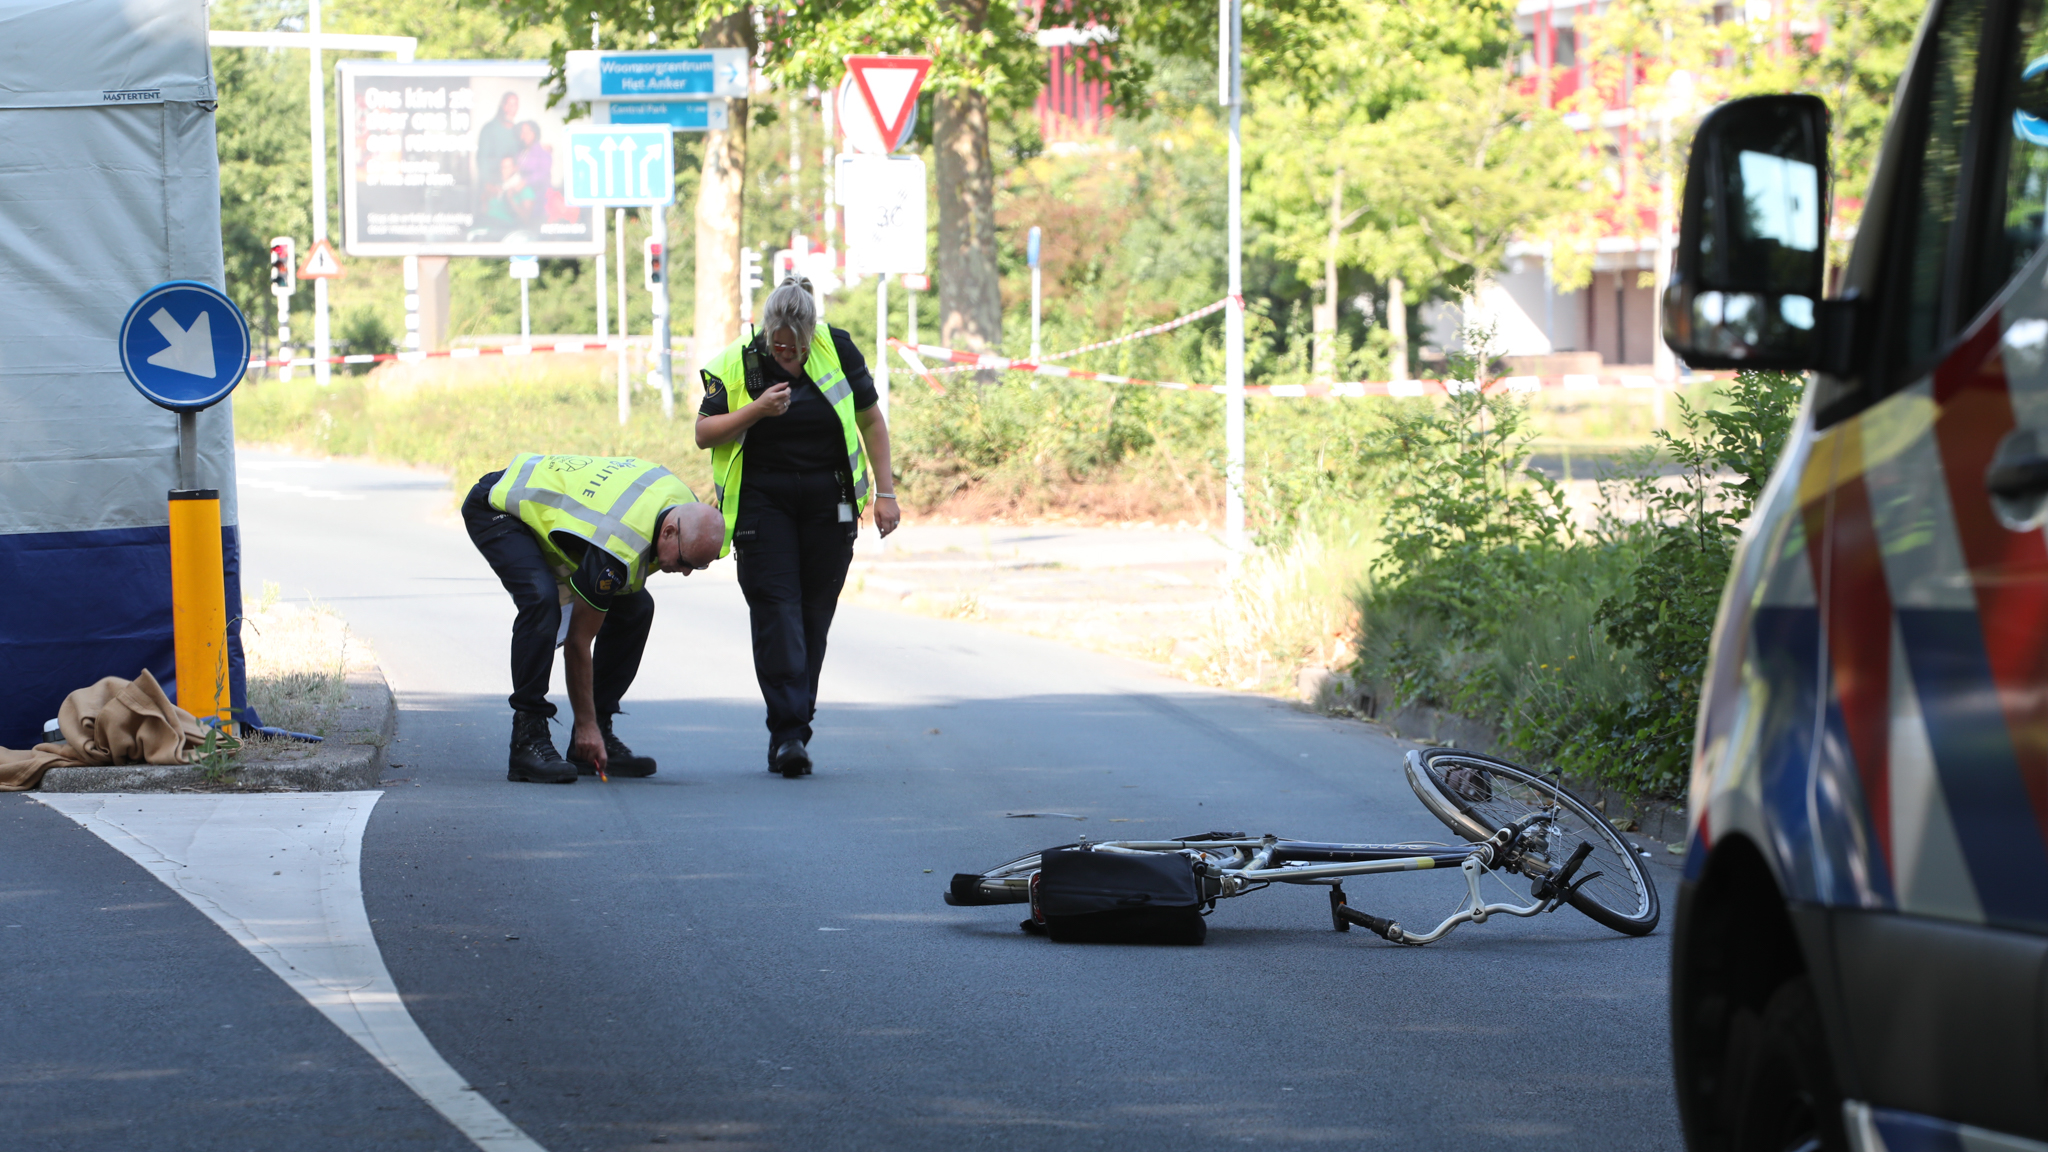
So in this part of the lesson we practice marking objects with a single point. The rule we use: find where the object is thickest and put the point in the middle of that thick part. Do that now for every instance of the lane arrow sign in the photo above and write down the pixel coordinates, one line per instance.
(190, 350)
(888, 86)
(184, 345)
(321, 263)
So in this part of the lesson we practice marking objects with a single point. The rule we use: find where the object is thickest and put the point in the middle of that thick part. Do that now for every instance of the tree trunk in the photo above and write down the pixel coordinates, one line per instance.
(970, 290)
(721, 206)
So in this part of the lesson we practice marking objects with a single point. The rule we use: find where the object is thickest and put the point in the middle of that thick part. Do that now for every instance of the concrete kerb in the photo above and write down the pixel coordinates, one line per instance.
(352, 758)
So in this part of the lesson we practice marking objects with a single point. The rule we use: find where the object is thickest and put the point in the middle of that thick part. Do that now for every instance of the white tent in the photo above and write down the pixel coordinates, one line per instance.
(109, 184)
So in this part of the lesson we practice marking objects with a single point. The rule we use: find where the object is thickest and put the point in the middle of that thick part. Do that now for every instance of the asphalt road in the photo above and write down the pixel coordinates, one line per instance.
(721, 957)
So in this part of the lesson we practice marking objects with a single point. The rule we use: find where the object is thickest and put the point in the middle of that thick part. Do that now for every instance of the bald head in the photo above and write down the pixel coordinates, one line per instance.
(691, 535)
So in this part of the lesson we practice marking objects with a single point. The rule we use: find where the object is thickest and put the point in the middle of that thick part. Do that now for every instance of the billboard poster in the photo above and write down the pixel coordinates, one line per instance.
(456, 158)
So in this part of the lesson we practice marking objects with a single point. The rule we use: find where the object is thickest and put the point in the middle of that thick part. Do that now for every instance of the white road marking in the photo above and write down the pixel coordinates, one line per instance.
(281, 874)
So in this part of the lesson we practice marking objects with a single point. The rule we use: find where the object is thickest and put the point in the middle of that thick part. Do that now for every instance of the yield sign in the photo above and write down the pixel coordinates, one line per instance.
(320, 263)
(888, 86)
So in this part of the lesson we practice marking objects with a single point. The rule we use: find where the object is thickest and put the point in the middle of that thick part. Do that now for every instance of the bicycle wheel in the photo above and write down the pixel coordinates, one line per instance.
(1476, 796)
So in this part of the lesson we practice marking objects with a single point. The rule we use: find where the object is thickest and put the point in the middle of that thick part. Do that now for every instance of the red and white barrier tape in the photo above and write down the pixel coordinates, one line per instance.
(455, 353)
(1572, 383)
(1004, 363)
(1140, 334)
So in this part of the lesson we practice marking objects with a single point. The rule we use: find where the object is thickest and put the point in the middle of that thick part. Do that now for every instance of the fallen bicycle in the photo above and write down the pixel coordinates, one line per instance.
(1516, 822)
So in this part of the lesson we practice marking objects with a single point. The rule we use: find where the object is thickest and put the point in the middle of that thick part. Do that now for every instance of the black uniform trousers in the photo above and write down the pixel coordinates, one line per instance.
(793, 554)
(508, 545)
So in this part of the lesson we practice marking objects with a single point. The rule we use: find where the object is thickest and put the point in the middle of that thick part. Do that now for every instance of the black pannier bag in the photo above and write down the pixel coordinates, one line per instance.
(1080, 896)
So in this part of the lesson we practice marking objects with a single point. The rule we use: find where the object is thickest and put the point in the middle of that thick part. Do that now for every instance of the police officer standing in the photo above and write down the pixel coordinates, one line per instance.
(582, 534)
(799, 451)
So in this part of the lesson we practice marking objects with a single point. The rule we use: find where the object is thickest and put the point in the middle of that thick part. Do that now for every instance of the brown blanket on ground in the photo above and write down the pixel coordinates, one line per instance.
(115, 721)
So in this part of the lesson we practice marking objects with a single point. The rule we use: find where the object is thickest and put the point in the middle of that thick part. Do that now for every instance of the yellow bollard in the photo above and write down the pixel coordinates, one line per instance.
(199, 610)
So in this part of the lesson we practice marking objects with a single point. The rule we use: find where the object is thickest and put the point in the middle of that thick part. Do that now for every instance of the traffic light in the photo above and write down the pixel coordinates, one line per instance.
(284, 266)
(652, 268)
(750, 270)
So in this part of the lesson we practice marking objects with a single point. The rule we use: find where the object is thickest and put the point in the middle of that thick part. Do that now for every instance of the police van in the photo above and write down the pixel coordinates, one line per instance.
(1861, 949)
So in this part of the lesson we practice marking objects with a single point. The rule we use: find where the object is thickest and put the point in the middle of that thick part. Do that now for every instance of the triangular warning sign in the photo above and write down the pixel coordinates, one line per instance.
(320, 263)
(888, 85)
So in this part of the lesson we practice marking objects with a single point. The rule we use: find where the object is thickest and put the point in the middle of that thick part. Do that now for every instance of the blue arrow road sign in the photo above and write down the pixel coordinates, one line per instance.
(660, 75)
(621, 167)
(679, 115)
(184, 345)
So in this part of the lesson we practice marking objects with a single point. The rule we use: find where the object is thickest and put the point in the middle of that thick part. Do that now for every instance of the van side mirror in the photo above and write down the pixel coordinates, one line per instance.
(1746, 279)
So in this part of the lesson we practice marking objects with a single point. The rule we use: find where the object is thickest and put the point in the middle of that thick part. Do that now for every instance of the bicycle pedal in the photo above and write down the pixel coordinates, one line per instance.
(1385, 928)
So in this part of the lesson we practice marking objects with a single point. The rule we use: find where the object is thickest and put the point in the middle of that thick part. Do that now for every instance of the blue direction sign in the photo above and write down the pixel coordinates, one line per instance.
(184, 345)
(679, 115)
(621, 167)
(703, 74)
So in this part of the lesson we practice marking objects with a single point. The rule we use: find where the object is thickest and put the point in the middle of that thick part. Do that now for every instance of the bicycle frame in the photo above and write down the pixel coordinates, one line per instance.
(1233, 866)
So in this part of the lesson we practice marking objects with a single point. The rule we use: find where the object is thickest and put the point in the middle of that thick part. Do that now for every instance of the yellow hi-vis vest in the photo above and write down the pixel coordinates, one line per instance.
(610, 501)
(728, 460)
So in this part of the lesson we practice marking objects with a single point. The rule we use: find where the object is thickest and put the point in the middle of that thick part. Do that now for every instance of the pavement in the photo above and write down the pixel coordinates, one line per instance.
(718, 956)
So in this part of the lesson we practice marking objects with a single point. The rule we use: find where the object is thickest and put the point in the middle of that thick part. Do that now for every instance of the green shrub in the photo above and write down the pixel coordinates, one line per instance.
(1666, 615)
(1584, 646)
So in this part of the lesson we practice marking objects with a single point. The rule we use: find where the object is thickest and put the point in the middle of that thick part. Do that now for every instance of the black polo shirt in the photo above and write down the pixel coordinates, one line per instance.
(807, 438)
(599, 575)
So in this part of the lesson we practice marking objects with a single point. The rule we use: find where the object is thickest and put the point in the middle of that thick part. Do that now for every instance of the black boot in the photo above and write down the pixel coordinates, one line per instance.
(619, 759)
(533, 753)
(791, 759)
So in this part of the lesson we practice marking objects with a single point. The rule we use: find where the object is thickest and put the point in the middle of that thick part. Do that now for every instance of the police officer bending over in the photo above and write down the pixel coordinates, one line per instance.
(583, 533)
(789, 414)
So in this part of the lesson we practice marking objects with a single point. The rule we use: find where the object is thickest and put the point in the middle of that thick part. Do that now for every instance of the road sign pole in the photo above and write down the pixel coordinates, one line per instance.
(1036, 350)
(284, 338)
(661, 320)
(1032, 253)
(199, 609)
(604, 289)
(199, 612)
(316, 93)
(881, 373)
(188, 449)
(910, 310)
(1232, 86)
(184, 345)
(411, 270)
(625, 385)
(630, 166)
(881, 365)
(826, 100)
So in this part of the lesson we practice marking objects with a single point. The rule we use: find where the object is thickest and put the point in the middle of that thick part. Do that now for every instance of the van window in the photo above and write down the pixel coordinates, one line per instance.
(2018, 148)
(1931, 202)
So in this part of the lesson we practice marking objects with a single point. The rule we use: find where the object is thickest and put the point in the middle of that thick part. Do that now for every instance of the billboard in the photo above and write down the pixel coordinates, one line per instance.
(456, 158)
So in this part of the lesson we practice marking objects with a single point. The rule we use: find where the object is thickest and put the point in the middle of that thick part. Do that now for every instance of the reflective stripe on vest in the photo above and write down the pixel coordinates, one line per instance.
(623, 526)
(728, 460)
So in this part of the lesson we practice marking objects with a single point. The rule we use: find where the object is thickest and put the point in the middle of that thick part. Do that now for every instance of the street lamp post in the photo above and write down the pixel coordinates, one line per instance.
(1230, 91)
(317, 96)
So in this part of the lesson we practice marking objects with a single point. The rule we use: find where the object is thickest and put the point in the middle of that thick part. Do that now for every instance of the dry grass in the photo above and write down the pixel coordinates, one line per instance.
(299, 661)
(1286, 608)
